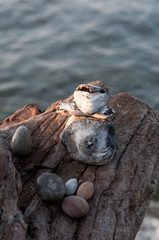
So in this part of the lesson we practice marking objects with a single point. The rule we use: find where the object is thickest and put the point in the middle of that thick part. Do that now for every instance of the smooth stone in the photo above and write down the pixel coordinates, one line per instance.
(75, 207)
(90, 99)
(71, 186)
(21, 143)
(50, 187)
(89, 140)
(86, 190)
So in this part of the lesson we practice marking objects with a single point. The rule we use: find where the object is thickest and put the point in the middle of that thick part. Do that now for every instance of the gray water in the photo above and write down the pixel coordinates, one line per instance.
(48, 47)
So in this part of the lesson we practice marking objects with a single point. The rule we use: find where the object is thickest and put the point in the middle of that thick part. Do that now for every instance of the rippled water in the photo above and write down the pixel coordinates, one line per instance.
(48, 47)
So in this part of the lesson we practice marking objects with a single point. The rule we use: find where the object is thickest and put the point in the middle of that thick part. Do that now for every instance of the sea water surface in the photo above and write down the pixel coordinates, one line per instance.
(48, 47)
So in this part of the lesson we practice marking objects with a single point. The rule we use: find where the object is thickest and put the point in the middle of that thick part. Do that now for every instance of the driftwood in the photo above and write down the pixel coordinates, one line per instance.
(123, 188)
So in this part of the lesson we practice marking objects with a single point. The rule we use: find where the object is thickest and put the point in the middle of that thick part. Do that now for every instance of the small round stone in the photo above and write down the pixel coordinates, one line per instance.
(71, 186)
(75, 207)
(21, 143)
(86, 190)
(50, 187)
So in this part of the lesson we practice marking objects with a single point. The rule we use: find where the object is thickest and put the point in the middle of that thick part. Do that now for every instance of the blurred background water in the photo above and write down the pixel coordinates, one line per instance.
(48, 47)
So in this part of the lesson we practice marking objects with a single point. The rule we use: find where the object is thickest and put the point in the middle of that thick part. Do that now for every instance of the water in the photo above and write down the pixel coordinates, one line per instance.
(49, 47)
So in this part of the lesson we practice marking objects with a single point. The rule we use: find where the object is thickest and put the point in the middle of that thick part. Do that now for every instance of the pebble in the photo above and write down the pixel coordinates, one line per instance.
(89, 140)
(90, 99)
(50, 187)
(71, 186)
(86, 190)
(21, 143)
(75, 207)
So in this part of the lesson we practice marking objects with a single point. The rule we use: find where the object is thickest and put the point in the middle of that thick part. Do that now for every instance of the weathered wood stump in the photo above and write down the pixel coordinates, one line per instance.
(123, 187)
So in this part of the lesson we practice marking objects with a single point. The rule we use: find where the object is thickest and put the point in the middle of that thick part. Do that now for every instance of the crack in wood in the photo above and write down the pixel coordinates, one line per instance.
(122, 200)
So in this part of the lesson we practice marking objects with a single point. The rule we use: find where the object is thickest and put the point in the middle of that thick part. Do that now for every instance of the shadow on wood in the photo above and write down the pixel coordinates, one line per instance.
(123, 187)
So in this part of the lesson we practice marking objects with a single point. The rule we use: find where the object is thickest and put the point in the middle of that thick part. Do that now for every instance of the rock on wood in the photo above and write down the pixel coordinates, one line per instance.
(123, 187)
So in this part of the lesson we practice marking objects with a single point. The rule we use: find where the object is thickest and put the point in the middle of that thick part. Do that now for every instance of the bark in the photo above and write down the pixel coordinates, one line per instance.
(21, 115)
(123, 188)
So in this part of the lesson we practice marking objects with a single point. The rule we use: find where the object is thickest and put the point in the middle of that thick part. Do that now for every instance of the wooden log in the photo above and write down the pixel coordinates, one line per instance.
(12, 225)
(123, 187)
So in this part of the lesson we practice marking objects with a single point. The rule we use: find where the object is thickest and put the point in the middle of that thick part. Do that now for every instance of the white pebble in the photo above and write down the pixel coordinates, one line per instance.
(71, 186)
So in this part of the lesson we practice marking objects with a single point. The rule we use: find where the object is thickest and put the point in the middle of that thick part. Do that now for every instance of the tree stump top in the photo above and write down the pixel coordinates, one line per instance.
(123, 187)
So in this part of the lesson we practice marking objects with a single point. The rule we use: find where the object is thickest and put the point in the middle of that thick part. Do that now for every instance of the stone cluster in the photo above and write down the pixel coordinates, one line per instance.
(76, 206)
(51, 187)
(89, 134)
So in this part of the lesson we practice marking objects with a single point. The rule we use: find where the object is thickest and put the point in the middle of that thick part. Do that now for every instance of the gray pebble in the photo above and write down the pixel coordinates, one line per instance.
(71, 186)
(89, 140)
(50, 187)
(21, 143)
